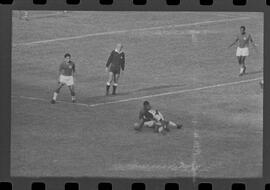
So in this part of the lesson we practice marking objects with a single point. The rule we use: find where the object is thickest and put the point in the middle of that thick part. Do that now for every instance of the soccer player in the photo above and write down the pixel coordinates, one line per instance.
(66, 77)
(115, 63)
(243, 39)
(153, 119)
(24, 15)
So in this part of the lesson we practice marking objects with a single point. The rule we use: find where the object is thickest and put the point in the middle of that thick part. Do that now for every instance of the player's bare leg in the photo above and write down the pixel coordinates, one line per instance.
(108, 85)
(244, 64)
(72, 92)
(56, 92)
(115, 83)
(242, 67)
(239, 58)
(169, 124)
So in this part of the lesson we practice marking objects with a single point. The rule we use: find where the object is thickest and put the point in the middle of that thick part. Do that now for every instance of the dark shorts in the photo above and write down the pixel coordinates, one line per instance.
(115, 70)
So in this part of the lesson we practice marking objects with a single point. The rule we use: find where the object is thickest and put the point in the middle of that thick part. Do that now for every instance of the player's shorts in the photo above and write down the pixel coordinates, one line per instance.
(242, 51)
(67, 80)
(115, 70)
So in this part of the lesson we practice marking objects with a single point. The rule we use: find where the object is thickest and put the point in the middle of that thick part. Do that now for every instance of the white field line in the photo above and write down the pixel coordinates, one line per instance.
(130, 30)
(196, 151)
(148, 96)
(152, 167)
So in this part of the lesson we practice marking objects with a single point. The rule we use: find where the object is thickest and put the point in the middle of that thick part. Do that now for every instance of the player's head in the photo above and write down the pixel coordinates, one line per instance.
(119, 47)
(146, 105)
(242, 29)
(67, 57)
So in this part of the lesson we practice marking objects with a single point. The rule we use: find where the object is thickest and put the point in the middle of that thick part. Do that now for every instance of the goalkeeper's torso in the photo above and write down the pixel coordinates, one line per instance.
(151, 115)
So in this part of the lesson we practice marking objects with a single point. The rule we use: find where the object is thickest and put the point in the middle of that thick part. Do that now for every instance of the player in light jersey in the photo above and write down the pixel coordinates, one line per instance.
(152, 118)
(243, 40)
(66, 77)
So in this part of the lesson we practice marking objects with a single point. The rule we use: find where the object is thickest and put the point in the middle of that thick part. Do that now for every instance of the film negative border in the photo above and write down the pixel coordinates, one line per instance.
(61, 183)
(135, 2)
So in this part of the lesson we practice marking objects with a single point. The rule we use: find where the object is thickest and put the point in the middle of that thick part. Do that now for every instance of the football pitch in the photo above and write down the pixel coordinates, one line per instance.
(178, 61)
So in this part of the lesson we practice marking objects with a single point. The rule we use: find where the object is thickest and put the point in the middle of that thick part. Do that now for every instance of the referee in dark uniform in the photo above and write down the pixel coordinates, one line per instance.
(115, 63)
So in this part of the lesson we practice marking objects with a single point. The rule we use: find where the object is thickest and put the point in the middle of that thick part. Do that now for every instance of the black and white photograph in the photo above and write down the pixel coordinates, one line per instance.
(137, 94)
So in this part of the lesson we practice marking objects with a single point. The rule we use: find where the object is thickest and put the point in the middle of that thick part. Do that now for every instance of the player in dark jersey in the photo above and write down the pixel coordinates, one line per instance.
(115, 64)
(66, 77)
(243, 40)
(152, 118)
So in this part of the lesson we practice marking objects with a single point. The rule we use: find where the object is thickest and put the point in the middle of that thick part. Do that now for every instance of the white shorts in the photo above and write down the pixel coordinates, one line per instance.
(67, 80)
(242, 51)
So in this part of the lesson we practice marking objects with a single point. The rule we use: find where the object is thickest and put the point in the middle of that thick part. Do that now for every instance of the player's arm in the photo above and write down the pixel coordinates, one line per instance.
(123, 63)
(59, 72)
(109, 61)
(73, 70)
(252, 41)
(141, 120)
(235, 41)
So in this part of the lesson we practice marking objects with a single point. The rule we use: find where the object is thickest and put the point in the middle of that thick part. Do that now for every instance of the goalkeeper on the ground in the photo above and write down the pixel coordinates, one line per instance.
(152, 118)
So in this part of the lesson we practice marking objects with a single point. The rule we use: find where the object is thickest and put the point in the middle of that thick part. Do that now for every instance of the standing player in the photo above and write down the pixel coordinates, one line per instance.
(66, 77)
(242, 51)
(154, 119)
(115, 63)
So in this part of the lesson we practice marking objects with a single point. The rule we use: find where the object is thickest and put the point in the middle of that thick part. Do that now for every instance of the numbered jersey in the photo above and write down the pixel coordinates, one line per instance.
(151, 115)
(244, 40)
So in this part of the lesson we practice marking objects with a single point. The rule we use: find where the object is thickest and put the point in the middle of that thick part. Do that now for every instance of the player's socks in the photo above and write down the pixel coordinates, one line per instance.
(107, 89)
(73, 99)
(241, 71)
(54, 98)
(114, 89)
(244, 69)
(55, 94)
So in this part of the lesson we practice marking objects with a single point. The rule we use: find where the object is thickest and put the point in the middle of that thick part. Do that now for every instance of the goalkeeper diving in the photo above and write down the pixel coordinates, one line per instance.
(152, 118)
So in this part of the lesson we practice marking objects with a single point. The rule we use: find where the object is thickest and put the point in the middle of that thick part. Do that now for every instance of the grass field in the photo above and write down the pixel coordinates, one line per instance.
(179, 61)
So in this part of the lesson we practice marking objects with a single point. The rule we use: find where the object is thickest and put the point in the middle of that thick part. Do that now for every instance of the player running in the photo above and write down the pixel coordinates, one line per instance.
(115, 63)
(66, 77)
(242, 51)
(154, 119)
